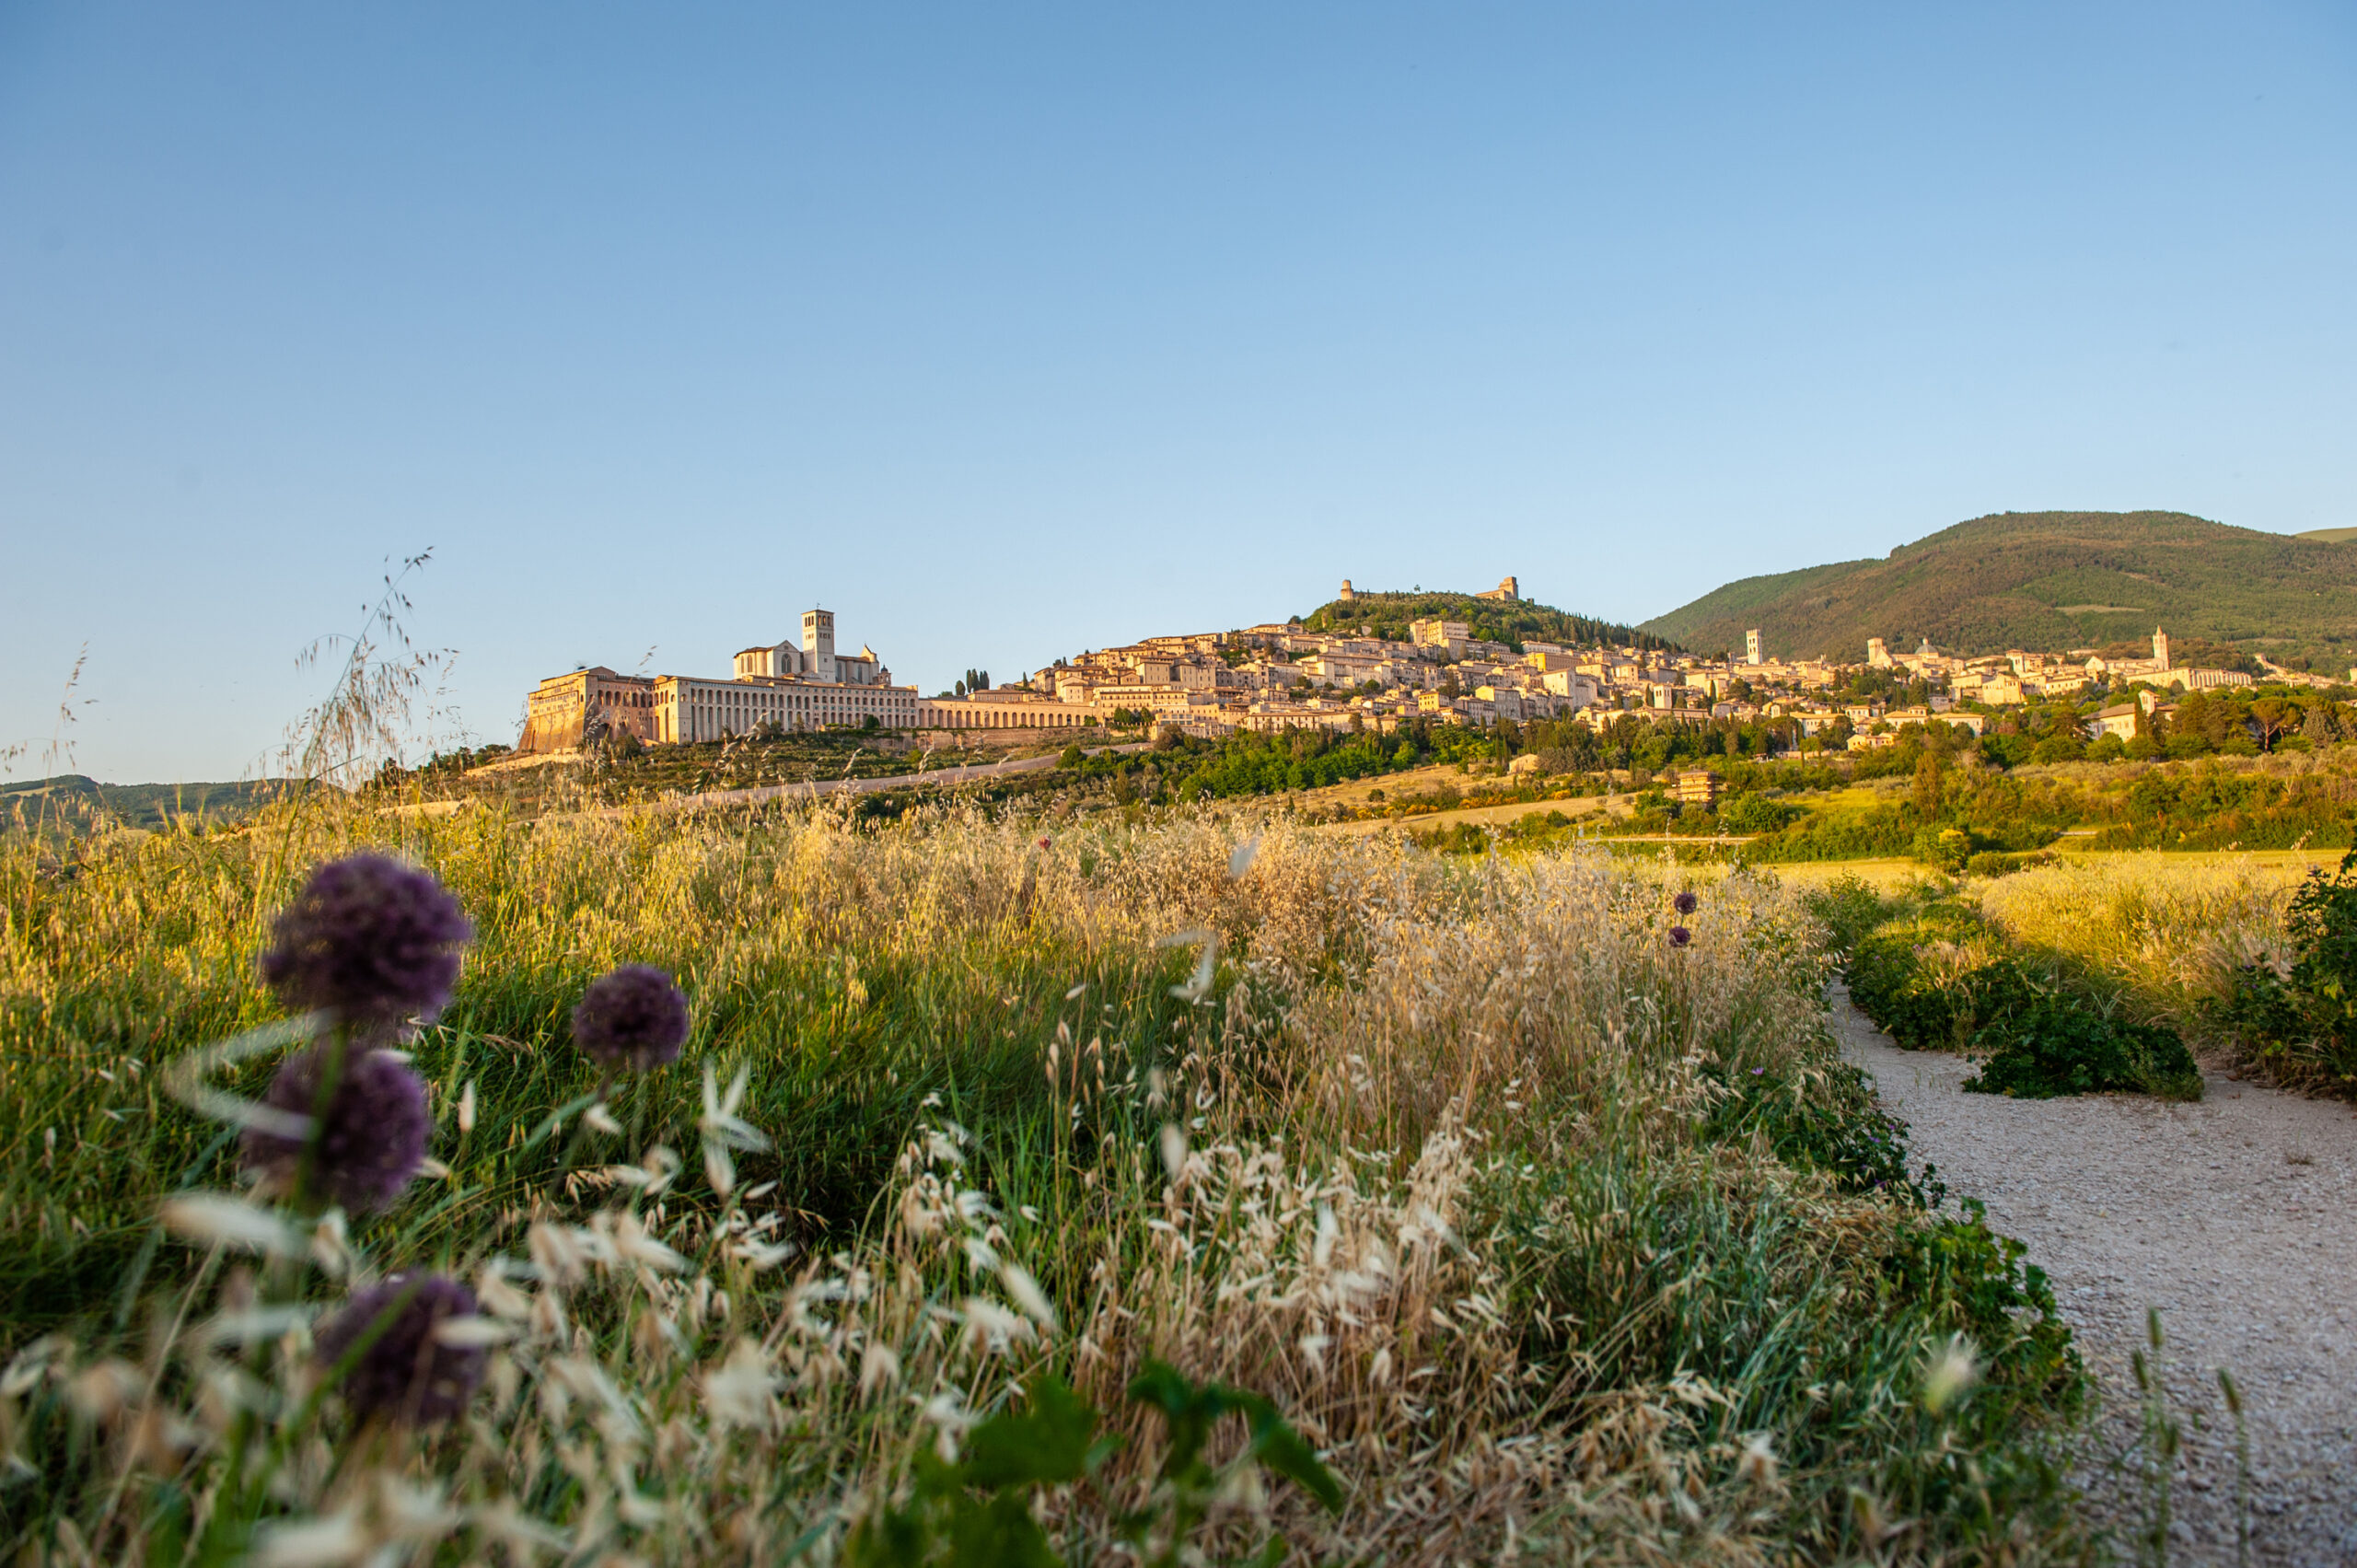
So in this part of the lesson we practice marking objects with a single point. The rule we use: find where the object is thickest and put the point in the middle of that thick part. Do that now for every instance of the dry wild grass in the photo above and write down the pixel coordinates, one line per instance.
(1430, 1152)
(2167, 930)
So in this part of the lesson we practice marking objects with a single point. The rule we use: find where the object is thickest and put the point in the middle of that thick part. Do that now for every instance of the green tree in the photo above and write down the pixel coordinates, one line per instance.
(1929, 769)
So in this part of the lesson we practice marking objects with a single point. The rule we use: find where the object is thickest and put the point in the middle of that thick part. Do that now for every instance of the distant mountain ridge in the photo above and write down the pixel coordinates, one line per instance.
(138, 805)
(2051, 580)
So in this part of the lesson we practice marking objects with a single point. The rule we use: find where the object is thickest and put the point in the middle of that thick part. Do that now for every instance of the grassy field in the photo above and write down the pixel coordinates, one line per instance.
(1549, 1235)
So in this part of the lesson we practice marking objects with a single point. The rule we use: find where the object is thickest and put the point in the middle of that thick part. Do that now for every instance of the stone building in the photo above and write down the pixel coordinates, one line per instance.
(688, 708)
(803, 687)
(564, 710)
(1005, 707)
(1437, 633)
(1695, 787)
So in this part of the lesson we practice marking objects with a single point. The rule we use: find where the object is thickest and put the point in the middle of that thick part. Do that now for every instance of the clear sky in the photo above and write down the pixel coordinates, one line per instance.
(1007, 331)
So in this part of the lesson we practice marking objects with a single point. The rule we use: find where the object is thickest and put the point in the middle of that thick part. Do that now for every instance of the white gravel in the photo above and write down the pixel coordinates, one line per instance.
(2236, 1218)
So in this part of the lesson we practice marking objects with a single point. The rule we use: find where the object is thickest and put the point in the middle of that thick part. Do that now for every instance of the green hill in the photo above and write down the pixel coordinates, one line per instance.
(74, 800)
(2051, 580)
(1493, 621)
(2329, 536)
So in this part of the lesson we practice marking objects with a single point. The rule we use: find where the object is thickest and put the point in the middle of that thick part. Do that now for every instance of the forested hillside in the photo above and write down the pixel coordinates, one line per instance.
(1515, 620)
(2051, 580)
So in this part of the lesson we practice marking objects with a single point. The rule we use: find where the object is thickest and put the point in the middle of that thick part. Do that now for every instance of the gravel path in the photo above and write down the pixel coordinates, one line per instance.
(2236, 1218)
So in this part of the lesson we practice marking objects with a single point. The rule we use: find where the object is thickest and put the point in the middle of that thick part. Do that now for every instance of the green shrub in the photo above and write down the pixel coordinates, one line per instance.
(2057, 1047)
(2305, 1020)
(1824, 1119)
(1999, 862)
(1932, 1006)
(1758, 814)
(1849, 908)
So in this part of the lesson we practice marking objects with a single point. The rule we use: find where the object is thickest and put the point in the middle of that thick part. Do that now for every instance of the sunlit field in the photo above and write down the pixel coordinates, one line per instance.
(1542, 1212)
(2170, 929)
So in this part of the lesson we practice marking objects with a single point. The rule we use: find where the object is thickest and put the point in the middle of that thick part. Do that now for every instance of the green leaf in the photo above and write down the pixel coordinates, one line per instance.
(891, 1537)
(999, 1534)
(1276, 1444)
(1188, 1410)
(1048, 1444)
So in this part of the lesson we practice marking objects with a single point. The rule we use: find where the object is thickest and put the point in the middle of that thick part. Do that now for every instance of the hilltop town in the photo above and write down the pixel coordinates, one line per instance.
(1345, 676)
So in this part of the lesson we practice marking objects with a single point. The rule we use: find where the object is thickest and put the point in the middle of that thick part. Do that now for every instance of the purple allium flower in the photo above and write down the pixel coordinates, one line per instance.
(1685, 903)
(373, 1139)
(633, 1017)
(1679, 936)
(406, 1373)
(369, 938)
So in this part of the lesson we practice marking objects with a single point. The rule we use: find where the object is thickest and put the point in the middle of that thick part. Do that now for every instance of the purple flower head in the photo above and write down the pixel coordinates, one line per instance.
(406, 1374)
(633, 1017)
(1679, 936)
(370, 939)
(374, 1138)
(1685, 903)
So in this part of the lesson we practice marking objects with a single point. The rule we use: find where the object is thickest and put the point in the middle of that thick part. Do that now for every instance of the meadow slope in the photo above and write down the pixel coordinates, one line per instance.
(1549, 1230)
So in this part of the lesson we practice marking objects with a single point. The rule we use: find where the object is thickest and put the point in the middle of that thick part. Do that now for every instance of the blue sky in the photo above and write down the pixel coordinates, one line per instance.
(1009, 330)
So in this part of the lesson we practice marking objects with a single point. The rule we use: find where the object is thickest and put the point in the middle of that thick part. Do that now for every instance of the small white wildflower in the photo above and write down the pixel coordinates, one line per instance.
(950, 1419)
(252, 1326)
(879, 1364)
(473, 1333)
(523, 1538)
(993, 1325)
(742, 1390)
(632, 1242)
(763, 1254)
(720, 1121)
(1953, 1369)
(216, 1219)
(1240, 862)
(31, 1365)
(661, 1164)
(102, 1391)
(1028, 1295)
(331, 1245)
(558, 1252)
(498, 1298)
(1199, 984)
(412, 1512)
(312, 1543)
